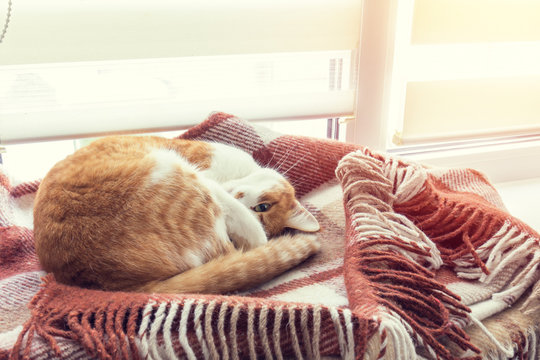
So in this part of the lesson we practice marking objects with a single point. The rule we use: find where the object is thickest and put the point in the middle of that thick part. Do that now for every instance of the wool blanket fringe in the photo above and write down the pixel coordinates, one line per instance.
(187, 327)
(416, 262)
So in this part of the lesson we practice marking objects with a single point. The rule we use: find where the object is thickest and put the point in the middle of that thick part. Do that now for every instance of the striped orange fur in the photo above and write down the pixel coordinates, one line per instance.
(159, 215)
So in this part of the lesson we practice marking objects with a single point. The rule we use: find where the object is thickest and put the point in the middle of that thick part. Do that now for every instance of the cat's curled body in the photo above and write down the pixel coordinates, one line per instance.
(166, 215)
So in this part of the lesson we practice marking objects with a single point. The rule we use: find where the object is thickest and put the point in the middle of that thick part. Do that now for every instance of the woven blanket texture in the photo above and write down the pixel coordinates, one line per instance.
(415, 263)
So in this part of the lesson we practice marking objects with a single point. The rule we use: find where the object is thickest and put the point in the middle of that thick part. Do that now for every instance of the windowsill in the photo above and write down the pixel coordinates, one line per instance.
(522, 199)
(500, 161)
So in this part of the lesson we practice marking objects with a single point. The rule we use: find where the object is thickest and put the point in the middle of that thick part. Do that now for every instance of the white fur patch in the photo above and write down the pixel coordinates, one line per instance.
(229, 163)
(220, 228)
(166, 163)
(284, 256)
(193, 259)
(255, 185)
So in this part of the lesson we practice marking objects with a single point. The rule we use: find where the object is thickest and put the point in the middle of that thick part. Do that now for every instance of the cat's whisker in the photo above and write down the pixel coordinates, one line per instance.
(294, 165)
(284, 160)
(270, 160)
(280, 162)
(298, 182)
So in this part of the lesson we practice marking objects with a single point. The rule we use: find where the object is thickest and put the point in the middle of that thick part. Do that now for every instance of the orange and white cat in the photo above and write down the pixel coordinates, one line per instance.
(161, 215)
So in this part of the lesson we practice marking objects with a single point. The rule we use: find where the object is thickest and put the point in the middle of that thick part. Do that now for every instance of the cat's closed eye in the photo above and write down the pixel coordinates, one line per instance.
(263, 207)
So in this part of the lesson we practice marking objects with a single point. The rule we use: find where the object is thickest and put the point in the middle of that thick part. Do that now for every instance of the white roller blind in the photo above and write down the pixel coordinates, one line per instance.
(79, 68)
(82, 30)
(67, 100)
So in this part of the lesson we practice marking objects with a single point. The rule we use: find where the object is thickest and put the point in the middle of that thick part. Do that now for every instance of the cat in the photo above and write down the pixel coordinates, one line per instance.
(150, 214)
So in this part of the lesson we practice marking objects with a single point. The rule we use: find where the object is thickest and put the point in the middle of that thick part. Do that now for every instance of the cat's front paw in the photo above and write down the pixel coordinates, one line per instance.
(296, 247)
(248, 234)
(257, 236)
(311, 242)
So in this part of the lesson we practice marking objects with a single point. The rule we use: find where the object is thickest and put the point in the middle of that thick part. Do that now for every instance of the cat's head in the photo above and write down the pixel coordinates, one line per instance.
(272, 199)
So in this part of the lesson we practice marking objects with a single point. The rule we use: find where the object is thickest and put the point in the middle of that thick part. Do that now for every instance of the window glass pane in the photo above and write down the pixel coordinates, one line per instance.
(27, 162)
(455, 21)
(470, 106)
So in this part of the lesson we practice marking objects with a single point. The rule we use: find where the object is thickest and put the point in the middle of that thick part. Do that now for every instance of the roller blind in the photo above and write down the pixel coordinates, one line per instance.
(75, 67)
(470, 69)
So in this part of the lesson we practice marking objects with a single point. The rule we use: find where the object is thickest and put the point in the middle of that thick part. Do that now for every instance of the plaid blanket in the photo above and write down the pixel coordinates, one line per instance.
(416, 262)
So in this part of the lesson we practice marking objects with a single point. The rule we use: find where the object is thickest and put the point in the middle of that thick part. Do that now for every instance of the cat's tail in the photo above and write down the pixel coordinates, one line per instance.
(240, 270)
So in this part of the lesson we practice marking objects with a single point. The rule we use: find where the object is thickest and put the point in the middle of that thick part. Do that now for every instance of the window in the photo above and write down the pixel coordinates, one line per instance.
(455, 82)
(472, 69)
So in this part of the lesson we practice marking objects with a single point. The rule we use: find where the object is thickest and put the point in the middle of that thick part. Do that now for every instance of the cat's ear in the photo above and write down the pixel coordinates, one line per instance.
(301, 219)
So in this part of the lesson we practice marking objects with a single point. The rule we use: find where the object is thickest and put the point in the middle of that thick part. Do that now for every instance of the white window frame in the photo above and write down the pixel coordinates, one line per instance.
(380, 103)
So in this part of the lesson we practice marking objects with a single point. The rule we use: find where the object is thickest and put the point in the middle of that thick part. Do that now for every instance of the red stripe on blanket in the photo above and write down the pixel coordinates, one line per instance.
(17, 254)
(307, 162)
(225, 128)
(200, 129)
(18, 190)
(25, 189)
(4, 181)
(298, 283)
